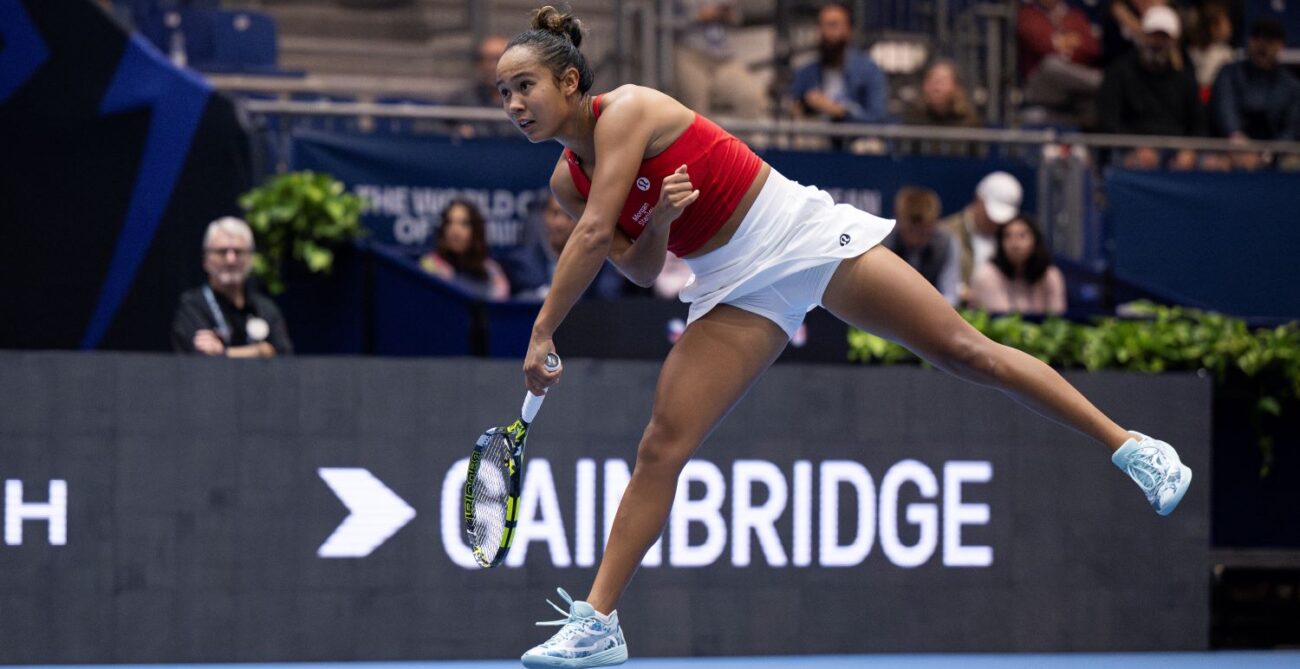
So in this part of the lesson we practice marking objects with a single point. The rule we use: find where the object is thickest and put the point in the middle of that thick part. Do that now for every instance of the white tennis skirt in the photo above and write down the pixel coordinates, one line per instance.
(783, 253)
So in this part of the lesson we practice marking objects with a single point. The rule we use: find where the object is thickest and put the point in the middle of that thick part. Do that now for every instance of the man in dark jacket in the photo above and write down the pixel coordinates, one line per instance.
(1257, 98)
(1152, 91)
(225, 317)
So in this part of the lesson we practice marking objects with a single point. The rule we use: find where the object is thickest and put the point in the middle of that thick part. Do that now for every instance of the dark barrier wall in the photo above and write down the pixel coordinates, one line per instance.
(378, 301)
(166, 509)
(112, 163)
(1223, 241)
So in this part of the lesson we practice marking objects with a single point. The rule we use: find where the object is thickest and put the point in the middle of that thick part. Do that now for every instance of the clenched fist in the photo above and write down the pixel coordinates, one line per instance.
(677, 193)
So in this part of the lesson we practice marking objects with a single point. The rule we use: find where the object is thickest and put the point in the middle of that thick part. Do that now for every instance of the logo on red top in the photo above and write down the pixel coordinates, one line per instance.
(643, 183)
(642, 214)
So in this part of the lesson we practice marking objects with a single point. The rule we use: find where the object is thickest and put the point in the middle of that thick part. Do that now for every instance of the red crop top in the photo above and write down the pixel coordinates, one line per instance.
(720, 166)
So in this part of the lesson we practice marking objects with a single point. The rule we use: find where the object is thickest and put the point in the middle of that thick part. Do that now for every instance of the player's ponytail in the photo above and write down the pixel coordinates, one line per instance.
(556, 36)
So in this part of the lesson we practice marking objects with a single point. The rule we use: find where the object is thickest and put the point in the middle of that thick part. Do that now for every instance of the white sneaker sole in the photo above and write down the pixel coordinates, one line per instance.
(1178, 494)
(605, 658)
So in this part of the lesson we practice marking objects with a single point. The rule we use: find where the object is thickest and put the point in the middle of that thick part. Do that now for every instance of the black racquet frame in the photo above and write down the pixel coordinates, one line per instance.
(516, 435)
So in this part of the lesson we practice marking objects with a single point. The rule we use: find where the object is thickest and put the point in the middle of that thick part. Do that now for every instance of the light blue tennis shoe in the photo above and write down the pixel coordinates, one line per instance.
(1156, 468)
(587, 638)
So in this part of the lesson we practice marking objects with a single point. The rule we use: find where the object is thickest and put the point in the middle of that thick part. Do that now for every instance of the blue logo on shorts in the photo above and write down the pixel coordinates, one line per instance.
(844, 239)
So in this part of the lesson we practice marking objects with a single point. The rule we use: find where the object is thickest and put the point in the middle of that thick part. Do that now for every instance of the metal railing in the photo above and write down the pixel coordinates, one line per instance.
(799, 127)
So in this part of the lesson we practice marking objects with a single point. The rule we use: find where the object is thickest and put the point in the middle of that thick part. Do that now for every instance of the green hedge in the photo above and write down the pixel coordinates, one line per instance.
(1264, 362)
(303, 217)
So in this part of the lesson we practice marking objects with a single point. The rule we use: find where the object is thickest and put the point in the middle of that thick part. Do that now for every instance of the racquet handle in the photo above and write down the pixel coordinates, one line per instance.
(534, 402)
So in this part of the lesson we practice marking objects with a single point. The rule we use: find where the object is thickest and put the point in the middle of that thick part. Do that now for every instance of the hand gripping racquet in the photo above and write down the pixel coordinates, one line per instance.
(494, 480)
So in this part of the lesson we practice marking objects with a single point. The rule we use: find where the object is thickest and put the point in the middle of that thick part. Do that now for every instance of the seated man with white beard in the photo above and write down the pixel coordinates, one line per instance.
(225, 316)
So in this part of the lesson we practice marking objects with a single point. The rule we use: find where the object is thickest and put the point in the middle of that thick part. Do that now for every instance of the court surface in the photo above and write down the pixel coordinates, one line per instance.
(1225, 660)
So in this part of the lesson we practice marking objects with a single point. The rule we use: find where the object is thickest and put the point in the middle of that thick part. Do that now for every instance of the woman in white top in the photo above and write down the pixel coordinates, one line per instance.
(1211, 44)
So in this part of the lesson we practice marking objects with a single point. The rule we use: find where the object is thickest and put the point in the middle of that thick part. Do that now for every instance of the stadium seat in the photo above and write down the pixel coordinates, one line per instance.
(245, 41)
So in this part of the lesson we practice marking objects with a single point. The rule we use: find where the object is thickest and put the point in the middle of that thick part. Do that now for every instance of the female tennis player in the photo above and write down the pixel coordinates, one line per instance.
(642, 175)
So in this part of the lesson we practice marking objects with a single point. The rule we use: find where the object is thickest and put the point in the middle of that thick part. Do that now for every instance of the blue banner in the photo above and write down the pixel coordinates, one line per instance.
(409, 180)
(1222, 241)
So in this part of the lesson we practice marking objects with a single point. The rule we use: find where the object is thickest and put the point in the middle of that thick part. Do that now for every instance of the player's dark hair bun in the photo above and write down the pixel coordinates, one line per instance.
(561, 23)
(555, 36)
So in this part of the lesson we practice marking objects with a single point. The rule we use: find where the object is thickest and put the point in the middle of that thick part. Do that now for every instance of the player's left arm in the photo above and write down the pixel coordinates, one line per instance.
(642, 260)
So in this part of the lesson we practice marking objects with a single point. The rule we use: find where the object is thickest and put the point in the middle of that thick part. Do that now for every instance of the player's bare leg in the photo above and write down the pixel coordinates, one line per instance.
(709, 369)
(880, 293)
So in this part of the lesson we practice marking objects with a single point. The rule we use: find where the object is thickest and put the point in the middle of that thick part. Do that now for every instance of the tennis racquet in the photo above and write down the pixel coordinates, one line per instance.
(495, 477)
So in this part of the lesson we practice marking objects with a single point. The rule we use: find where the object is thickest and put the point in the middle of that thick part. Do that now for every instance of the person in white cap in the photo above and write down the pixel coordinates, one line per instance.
(1152, 91)
(975, 227)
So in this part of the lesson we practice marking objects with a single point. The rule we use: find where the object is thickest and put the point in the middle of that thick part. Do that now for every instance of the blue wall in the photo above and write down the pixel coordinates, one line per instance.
(1229, 242)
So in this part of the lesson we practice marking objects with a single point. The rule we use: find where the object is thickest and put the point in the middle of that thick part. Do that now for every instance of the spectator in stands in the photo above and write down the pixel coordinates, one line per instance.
(483, 92)
(226, 316)
(707, 69)
(1021, 277)
(1257, 98)
(1151, 91)
(918, 239)
(460, 254)
(608, 284)
(975, 227)
(1210, 44)
(843, 84)
(1058, 55)
(1122, 30)
(943, 99)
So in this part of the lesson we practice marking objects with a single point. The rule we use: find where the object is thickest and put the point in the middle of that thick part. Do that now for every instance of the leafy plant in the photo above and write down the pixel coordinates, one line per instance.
(301, 216)
(1264, 362)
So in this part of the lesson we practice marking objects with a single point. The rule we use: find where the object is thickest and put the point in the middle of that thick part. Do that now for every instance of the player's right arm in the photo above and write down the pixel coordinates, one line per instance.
(573, 204)
(642, 259)
(620, 140)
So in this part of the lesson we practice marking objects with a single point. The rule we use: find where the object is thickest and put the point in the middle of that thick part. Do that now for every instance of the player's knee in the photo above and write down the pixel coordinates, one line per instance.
(665, 448)
(972, 356)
